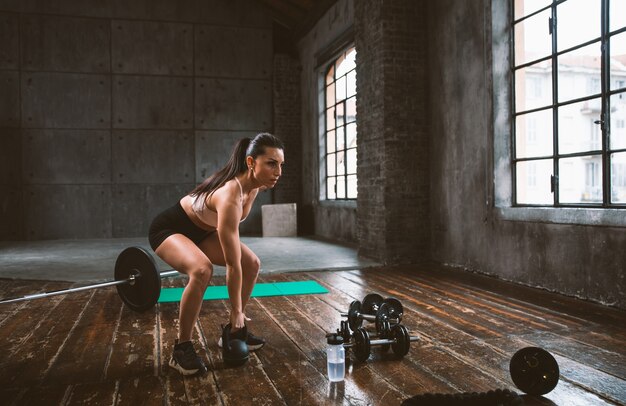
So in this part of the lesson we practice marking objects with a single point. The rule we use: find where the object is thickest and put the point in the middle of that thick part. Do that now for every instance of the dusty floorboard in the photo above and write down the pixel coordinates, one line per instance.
(87, 348)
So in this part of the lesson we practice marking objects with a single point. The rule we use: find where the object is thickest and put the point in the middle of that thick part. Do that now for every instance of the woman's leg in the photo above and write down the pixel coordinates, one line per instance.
(250, 264)
(183, 255)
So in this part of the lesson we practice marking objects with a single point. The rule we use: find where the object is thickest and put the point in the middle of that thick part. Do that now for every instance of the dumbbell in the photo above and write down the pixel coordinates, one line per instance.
(399, 339)
(372, 301)
(387, 312)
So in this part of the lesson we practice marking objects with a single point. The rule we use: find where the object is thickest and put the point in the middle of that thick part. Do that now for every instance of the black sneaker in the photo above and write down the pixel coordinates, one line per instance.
(185, 360)
(254, 343)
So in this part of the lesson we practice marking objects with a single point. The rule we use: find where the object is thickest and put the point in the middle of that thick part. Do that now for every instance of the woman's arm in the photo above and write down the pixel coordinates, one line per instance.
(228, 216)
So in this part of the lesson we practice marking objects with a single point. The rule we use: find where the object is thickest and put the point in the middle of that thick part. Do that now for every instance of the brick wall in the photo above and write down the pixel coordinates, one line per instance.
(392, 213)
(287, 126)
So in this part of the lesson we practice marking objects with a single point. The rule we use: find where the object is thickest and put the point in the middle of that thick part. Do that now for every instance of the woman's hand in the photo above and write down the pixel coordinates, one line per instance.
(237, 320)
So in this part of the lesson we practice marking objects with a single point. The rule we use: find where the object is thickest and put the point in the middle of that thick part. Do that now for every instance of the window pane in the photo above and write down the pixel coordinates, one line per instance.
(341, 163)
(579, 73)
(346, 62)
(351, 160)
(525, 7)
(580, 179)
(533, 86)
(341, 115)
(577, 130)
(533, 182)
(330, 95)
(341, 142)
(533, 134)
(617, 14)
(330, 75)
(618, 121)
(578, 21)
(532, 38)
(351, 78)
(330, 141)
(330, 165)
(618, 61)
(351, 109)
(330, 118)
(341, 88)
(351, 129)
(341, 187)
(330, 188)
(352, 187)
(618, 177)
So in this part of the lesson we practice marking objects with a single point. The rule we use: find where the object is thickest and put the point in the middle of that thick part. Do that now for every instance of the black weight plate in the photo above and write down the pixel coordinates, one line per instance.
(370, 301)
(402, 343)
(382, 317)
(362, 346)
(145, 291)
(354, 321)
(385, 347)
(395, 308)
(534, 371)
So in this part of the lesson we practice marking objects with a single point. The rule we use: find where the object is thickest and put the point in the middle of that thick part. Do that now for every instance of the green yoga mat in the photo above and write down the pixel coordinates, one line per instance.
(260, 290)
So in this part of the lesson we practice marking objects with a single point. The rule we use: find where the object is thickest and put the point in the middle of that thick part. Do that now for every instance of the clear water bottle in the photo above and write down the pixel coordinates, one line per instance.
(335, 357)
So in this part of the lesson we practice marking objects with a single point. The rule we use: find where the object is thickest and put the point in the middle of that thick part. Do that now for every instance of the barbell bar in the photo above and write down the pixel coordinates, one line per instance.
(137, 280)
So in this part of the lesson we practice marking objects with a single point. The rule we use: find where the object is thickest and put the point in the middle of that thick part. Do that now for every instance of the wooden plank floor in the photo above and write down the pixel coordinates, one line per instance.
(87, 348)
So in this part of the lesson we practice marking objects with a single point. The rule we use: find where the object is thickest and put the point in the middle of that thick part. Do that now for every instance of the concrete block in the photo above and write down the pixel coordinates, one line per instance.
(11, 153)
(152, 48)
(65, 100)
(152, 102)
(67, 211)
(65, 44)
(9, 99)
(233, 52)
(83, 8)
(134, 206)
(11, 213)
(233, 104)
(66, 156)
(280, 220)
(9, 38)
(213, 149)
(153, 156)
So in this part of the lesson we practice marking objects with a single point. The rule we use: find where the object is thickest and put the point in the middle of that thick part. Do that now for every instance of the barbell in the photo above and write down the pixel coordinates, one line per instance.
(137, 280)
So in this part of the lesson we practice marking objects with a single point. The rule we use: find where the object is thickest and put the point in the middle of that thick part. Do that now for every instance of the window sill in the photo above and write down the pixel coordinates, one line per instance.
(578, 216)
(348, 204)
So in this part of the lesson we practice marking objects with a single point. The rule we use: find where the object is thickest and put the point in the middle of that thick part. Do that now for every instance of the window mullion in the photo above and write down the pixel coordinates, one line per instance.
(555, 111)
(605, 118)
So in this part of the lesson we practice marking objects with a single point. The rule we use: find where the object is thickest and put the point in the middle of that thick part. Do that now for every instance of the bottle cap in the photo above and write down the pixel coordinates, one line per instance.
(334, 339)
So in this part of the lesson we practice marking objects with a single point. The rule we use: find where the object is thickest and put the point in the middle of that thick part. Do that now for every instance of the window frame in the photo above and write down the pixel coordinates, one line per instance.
(603, 121)
(323, 119)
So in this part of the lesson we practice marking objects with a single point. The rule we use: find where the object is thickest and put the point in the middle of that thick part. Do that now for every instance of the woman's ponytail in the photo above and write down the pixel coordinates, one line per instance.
(237, 162)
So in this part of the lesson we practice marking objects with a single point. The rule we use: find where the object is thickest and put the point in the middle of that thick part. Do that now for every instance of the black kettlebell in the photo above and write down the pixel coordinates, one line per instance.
(234, 351)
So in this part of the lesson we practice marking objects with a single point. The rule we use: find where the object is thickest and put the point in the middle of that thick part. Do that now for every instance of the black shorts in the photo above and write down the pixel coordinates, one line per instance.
(174, 221)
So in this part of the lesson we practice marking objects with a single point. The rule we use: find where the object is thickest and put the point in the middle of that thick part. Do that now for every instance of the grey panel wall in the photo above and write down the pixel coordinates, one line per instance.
(110, 111)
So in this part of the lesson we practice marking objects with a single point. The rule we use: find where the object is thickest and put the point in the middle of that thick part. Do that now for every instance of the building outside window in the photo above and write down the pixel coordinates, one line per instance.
(569, 72)
(340, 131)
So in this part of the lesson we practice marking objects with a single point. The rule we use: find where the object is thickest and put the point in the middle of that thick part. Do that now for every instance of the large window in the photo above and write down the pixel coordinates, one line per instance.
(340, 134)
(569, 98)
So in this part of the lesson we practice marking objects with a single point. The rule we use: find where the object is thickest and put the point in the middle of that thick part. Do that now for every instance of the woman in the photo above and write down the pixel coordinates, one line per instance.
(202, 229)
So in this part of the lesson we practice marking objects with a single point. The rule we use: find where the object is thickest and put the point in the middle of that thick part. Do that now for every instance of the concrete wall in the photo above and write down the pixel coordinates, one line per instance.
(564, 250)
(111, 110)
(334, 220)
